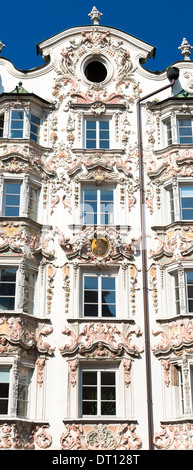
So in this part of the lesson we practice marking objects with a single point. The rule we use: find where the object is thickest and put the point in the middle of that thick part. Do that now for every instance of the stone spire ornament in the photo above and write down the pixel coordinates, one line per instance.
(95, 16)
(186, 49)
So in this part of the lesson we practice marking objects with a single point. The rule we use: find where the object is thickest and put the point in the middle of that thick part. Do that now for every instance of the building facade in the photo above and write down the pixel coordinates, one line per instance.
(96, 246)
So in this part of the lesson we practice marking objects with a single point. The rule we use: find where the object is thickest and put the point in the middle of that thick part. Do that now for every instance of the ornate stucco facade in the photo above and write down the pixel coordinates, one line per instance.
(96, 246)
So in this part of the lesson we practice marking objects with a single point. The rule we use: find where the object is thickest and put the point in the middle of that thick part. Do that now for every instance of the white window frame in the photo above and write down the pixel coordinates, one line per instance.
(176, 301)
(178, 391)
(172, 200)
(30, 298)
(35, 136)
(26, 388)
(10, 367)
(99, 276)
(172, 134)
(180, 134)
(23, 128)
(98, 370)
(98, 120)
(12, 410)
(15, 268)
(98, 201)
(11, 181)
(26, 186)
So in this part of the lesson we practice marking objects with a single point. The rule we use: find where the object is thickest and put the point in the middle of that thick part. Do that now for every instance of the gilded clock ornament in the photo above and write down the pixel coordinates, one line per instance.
(100, 246)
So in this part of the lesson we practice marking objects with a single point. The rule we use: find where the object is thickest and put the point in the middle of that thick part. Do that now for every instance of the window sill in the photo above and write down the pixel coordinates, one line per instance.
(21, 313)
(176, 224)
(100, 320)
(23, 140)
(10, 419)
(20, 219)
(180, 420)
(98, 152)
(173, 147)
(174, 318)
(98, 420)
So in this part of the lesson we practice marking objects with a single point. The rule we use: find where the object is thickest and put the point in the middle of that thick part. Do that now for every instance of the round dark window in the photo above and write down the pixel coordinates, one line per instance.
(95, 71)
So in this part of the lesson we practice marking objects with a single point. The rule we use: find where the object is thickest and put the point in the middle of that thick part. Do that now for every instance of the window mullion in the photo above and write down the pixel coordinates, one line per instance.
(98, 207)
(99, 393)
(97, 134)
(99, 297)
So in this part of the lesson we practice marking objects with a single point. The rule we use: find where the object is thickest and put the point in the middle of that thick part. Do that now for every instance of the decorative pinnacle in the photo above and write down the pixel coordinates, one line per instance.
(1, 46)
(186, 49)
(95, 15)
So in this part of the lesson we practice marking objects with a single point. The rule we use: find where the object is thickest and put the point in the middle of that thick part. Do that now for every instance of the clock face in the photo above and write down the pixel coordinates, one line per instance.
(99, 247)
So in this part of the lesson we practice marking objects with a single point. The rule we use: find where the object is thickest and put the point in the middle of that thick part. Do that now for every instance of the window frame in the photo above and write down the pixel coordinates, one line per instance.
(15, 268)
(97, 139)
(178, 299)
(107, 368)
(24, 387)
(26, 187)
(12, 408)
(8, 398)
(172, 129)
(22, 129)
(99, 276)
(99, 213)
(173, 200)
(5, 194)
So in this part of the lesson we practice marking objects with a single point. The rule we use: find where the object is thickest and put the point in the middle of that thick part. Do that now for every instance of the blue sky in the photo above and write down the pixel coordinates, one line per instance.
(162, 24)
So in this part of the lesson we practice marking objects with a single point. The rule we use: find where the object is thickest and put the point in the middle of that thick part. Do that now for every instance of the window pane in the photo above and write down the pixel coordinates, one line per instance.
(185, 131)
(91, 310)
(108, 378)
(17, 124)
(89, 378)
(108, 393)
(4, 389)
(91, 282)
(91, 124)
(89, 408)
(104, 125)
(190, 277)
(1, 124)
(7, 289)
(12, 199)
(90, 296)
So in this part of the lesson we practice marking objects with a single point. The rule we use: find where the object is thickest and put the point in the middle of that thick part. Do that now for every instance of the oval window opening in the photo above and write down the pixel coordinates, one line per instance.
(95, 71)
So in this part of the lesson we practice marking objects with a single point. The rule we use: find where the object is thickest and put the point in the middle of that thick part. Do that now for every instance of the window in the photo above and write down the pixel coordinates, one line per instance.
(98, 393)
(29, 297)
(7, 288)
(99, 296)
(185, 135)
(181, 132)
(33, 203)
(97, 134)
(4, 389)
(168, 132)
(1, 124)
(187, 280)
(98, 207)
(180, 202)
(12, 199)
(17, 124)
(186, 199)
(23, 391)
(177, 388)
(35, 128)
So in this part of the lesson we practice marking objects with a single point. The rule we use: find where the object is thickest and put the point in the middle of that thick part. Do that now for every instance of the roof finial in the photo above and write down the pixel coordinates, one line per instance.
(1, 46)
(186, 49)
(95, 15)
